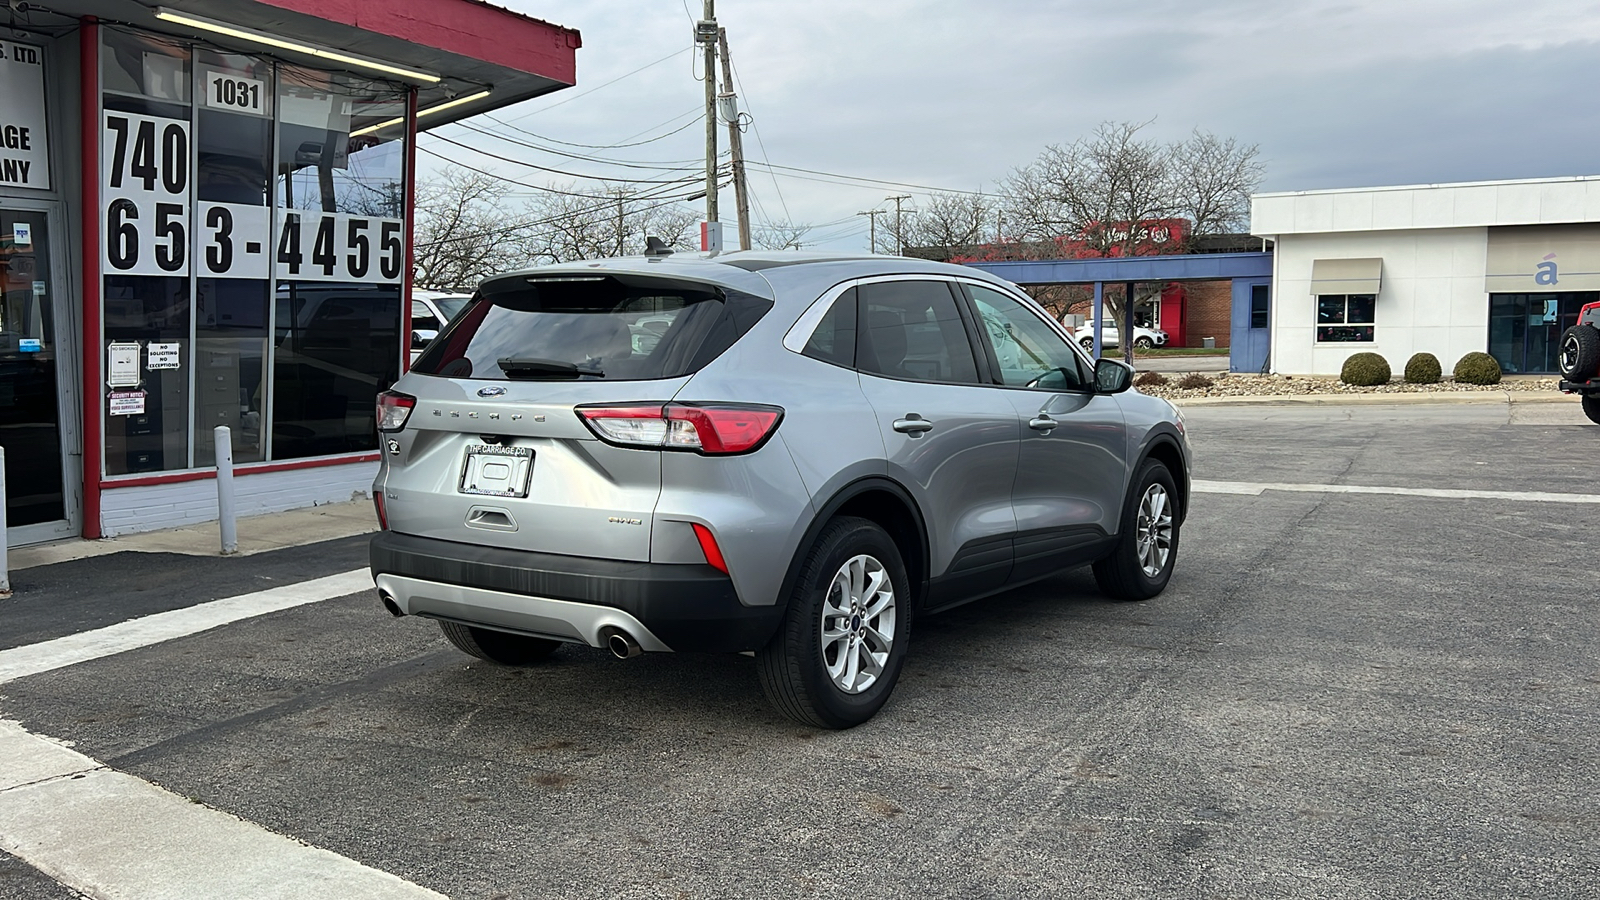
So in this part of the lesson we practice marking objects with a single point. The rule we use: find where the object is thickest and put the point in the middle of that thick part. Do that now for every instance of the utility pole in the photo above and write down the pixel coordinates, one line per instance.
(872, 217)
(741, 195)
(619, 221)
(705, 33)
(899, 232)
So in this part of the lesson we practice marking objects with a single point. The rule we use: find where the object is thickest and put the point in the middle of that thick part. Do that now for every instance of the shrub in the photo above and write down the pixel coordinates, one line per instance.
(1423, 368)
(1150, 379)
(1478, 368)
(1194, 381)
(1365, 370)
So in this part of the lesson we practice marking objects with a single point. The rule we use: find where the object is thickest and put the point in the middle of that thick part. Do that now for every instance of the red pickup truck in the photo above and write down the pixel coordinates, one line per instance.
(1579, 360)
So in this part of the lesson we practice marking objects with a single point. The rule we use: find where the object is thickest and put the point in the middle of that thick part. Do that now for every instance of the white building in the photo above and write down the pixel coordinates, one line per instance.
(1499, 266)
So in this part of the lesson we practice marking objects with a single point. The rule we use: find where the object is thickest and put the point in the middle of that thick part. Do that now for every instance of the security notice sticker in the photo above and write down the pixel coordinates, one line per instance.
(127, 403)
(22, 235)
(162, 356)
(122, 364)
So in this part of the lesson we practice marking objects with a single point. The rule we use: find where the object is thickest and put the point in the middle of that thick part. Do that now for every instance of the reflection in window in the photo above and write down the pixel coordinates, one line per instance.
(1346, 318)
(337, 346)
(144, 74)
(332, 156)
(230, 353)
(1029, 352)
(234, 134)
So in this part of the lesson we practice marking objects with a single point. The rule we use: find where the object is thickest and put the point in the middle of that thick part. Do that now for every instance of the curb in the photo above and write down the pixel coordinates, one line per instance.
(1506, 397)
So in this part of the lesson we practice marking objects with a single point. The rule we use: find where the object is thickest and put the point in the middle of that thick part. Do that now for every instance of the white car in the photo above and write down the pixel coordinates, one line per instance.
(430, 312)
(1143, 338)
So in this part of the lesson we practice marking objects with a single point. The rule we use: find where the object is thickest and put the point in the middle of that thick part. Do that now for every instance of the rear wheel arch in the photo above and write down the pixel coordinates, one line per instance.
(892, 508)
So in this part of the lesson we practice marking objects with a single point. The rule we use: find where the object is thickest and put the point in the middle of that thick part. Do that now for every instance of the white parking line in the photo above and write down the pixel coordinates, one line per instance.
(1253, 488)
(108, 834)
(32, 659)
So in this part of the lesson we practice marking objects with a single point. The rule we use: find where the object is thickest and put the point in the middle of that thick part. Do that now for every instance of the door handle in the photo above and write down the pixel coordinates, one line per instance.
(912, 424)
(1042, 422)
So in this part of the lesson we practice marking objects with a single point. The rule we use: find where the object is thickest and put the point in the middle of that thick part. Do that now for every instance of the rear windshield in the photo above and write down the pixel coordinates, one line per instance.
(590, 328)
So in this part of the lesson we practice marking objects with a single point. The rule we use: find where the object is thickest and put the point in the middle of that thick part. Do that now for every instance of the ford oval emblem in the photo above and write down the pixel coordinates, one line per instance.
(493, 390)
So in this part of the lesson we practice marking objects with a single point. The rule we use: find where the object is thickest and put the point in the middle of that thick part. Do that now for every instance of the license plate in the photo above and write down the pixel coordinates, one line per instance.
(497, 471)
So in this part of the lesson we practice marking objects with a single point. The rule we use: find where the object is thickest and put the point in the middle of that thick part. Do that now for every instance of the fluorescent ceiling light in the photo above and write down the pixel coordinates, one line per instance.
(257, 37)
(438, 107)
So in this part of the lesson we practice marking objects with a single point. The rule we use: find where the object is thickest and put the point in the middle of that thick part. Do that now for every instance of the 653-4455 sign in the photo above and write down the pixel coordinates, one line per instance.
(152, 226)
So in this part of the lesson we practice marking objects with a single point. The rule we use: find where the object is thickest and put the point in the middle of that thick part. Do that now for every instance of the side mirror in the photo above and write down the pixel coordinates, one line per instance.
(421, 337)
(1112, 376)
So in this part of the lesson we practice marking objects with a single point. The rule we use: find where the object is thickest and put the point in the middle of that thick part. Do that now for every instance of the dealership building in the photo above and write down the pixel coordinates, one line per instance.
(1447, 269)
(205, 219)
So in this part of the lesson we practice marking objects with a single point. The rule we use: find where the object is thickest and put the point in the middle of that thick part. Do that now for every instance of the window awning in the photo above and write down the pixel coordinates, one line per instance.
(1345, 276)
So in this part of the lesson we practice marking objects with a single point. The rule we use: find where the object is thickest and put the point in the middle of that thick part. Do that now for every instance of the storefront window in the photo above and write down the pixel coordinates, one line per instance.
(1525, 329)
(1343, 318)
(252, 218)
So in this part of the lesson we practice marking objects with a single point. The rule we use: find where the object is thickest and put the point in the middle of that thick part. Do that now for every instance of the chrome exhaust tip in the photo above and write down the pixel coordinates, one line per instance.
(389, 604)
(622, 645)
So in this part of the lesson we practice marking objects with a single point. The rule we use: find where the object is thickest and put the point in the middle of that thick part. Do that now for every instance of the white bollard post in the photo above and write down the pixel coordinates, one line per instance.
(5, 568)
(222, 440)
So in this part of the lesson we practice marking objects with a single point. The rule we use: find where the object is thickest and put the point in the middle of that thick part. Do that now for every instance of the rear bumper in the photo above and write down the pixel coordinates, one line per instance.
(676, 607)
(1586, 388)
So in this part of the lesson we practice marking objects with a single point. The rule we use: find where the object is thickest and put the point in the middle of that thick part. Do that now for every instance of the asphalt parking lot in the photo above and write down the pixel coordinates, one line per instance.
(1340, 695)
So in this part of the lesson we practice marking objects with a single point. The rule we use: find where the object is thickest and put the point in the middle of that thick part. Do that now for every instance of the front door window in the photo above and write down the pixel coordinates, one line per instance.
(30, 416)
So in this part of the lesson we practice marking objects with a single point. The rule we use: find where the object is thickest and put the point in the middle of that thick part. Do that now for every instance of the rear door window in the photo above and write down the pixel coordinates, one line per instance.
(912, 330)
(591, 328)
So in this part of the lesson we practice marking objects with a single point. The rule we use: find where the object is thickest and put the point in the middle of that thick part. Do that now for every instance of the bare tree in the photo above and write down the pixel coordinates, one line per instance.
(1102, 194)
(778, 235)
(1212, 180)
(461, 218)
(571, 223)
(946, 226)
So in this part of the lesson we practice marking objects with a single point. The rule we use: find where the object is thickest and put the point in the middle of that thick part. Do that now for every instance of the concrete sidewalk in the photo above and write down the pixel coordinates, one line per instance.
(257, 534)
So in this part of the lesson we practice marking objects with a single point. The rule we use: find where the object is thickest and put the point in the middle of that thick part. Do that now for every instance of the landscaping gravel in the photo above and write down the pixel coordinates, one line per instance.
(1237, 385)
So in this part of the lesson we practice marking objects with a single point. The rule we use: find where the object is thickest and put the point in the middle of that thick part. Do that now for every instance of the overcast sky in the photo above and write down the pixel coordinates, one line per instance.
(957, 94)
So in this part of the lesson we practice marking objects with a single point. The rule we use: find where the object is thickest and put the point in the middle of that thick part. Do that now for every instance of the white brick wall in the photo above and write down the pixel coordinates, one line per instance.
(152, 507)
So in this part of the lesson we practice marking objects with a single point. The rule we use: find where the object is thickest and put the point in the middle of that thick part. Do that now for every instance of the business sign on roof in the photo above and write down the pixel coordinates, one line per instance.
(24, 143)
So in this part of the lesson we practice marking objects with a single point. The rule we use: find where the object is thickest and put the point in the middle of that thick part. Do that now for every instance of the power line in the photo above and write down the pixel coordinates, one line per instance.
(875, 181)
(602, 86)
(543, 189)
(618, 146)
(518, 162)
(660, 165)
(738, 80)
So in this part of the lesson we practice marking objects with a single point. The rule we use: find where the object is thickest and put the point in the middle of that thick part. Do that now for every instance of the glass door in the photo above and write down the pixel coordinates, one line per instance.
(31, 366)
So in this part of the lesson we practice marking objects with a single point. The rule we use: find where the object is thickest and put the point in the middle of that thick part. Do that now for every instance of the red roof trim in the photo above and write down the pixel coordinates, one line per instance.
(470, 28)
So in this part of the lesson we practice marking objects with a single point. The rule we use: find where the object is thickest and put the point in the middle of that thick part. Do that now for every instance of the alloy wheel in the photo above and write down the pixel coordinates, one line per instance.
(858, 624)
(1153, 530)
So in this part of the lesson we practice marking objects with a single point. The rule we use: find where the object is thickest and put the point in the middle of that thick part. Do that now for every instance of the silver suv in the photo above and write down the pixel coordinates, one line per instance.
(784, 454)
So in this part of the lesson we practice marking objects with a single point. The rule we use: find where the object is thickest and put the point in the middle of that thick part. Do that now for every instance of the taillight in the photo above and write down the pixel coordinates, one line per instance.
(708, 546)
(712, 429)
(383, 514)
(393, 410)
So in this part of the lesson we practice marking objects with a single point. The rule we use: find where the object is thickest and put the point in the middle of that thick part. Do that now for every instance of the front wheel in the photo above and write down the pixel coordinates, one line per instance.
(1088, 344)
(839, 652)
(1143, 343)
(1591, 407)
(1147, 546)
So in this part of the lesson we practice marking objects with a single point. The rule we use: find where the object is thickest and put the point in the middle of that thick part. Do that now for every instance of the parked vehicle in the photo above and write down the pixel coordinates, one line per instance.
(1579, 360)
(811, 454)
(430, 311)
(1143, 338)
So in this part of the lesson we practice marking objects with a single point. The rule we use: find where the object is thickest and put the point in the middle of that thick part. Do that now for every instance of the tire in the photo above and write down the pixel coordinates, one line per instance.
(1123, 575)
(1591, 407)
(498, 646)
(797, 666)
(1087, 344)
(1578, 355)
(1143, 343)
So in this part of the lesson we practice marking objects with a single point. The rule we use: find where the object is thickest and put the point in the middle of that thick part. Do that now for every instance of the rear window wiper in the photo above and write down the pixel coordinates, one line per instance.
(533, 367)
